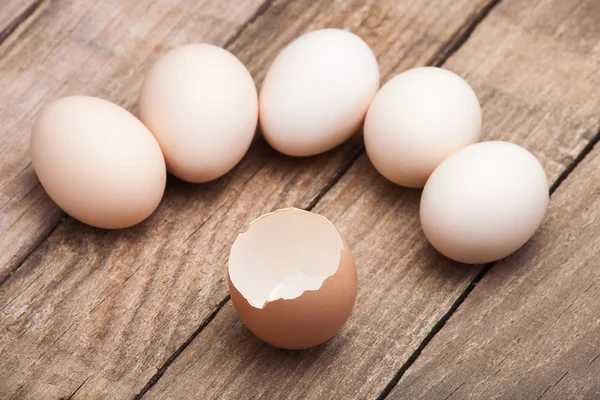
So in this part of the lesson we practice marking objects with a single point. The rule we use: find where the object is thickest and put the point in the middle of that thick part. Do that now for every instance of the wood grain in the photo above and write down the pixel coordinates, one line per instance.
(96, 313)
(540, 87)
(13, 13)
(96, 48)
(84, 47)
(531, 327)
(19, 232)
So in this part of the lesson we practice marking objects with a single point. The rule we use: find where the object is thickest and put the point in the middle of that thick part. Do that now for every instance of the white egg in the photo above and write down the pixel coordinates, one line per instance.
(317, 91)
(201, 104)
(484, 202)
(418, 119)
(97, 161)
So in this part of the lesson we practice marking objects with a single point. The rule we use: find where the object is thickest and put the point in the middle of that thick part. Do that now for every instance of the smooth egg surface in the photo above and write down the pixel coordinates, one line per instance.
(201, 104)
(416, 120)
(97, 161)
(317, 91)
(484, 202)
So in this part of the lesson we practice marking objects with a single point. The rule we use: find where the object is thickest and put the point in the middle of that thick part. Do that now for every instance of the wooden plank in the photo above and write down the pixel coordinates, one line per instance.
(84, 47)
(540, 88)
(99, 312)
(96, 48)
(531, 327)
(13, 13)
(17, 234)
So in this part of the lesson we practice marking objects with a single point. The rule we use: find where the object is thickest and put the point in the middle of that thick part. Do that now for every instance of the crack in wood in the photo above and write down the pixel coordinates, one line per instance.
(260, 11)
(154, 379)
(594, 359)
(5, 33)
(434, 331)
(454, 391)
(336, 178)
(343, 169)
(226, 202)
(462, 35)
(55, 341)
(77, 390)
(180, 349)
(438, 59)
(20, 19)
(34, 187)
(440, 324)
(42, 355)
(449, 48)
(25, 257)
(20, 173)
(567, 171)
(553, 385)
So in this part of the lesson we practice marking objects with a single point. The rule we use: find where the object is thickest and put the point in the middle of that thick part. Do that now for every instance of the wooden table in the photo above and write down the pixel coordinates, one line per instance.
(145, 313)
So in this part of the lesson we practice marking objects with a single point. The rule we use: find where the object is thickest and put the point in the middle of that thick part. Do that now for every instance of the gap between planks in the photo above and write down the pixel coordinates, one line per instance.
(161, 371)
(31, 14)
(24, 19)
(487, 267)
(438, 59)
(8, 35)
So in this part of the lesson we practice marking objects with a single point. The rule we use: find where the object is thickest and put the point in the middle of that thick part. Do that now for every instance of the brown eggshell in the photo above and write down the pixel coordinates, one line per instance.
(308, 320)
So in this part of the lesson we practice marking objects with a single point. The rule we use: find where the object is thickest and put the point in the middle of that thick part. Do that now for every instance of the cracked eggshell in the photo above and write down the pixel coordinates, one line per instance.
(292, 279)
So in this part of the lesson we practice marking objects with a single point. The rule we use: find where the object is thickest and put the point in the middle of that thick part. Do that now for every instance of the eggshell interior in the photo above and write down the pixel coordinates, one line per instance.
(292, 279)
(266, 266)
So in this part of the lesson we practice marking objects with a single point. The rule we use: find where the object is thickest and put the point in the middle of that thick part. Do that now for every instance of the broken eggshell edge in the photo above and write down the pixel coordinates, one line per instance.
(309, 319)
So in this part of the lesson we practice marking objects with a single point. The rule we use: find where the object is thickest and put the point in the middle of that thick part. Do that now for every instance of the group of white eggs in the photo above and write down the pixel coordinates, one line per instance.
(198, 113)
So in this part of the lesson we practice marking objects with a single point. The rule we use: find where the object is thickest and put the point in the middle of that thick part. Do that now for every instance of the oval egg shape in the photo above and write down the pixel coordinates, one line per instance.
(317, 91)
(201, 104)
(484, 202)
(292, 278)
(97, 161)
(418, 119)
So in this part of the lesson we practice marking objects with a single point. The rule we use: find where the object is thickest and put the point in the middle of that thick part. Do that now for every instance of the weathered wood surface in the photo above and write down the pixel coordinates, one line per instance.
(531, 328)
(84, 47)
(97, 313)
(26, 215)
(13, 13)
(536, 68)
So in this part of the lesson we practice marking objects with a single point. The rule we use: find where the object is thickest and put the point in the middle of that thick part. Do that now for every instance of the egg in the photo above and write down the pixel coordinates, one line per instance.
(201, 104)
(97, 161)
(292, 278)
(484, 202)
(317, 91)
(417, 119)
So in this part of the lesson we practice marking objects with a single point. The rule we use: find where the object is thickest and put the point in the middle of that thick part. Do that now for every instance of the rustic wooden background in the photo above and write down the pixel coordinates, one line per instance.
(144, 312)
